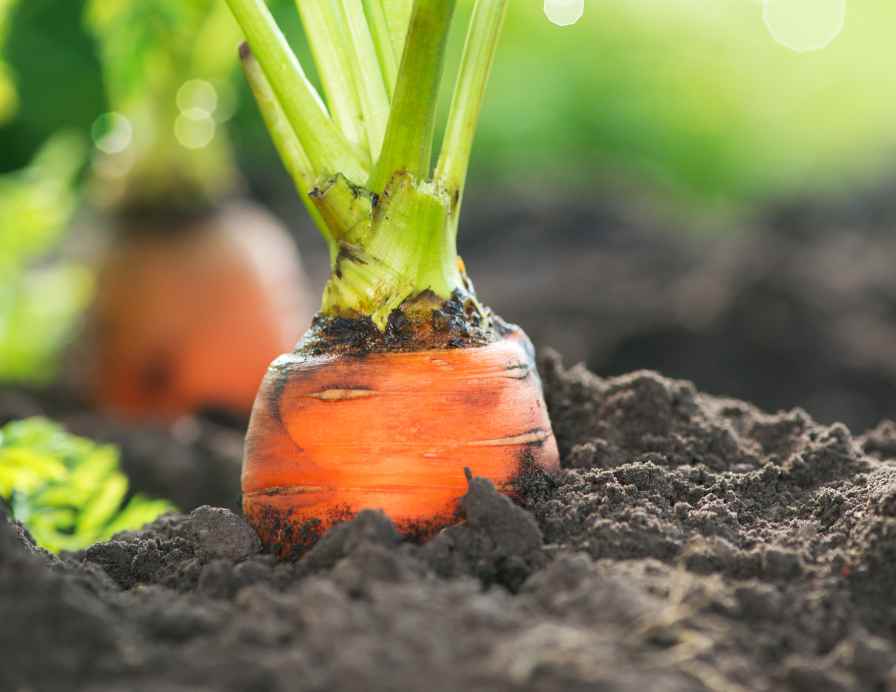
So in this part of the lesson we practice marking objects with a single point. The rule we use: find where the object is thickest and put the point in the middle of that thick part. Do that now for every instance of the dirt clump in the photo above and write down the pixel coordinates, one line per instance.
(688, 543)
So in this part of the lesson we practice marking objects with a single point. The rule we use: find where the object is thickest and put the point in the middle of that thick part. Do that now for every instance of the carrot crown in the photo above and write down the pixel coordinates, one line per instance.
(363, 161)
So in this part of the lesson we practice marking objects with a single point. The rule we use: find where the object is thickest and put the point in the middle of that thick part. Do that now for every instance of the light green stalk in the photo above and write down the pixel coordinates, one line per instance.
(391, 231)
(469, 94)
(408, 144)
(294, 158)
(367, 75)
(331, 57)
(398, 16)
(327, 148)
(382, 39)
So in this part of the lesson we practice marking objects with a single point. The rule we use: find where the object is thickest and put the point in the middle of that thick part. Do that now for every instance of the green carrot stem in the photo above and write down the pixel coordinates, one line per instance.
(294, 158)
(327, 149)
(382, 39)
(398, 17)
(466, 105)
(394, 238)
(328, 42)
(408, 144)
(367, 75)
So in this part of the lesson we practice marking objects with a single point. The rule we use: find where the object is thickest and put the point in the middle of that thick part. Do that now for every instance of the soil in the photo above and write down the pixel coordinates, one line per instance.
(689, 543)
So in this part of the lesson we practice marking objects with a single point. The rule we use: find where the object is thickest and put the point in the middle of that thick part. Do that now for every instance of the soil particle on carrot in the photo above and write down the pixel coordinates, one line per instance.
(451, 324)
(688, 543)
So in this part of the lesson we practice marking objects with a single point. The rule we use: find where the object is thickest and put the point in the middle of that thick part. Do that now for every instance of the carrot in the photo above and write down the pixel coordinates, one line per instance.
(405, 379)
(426, 416)
(194, 295)
(188, 315)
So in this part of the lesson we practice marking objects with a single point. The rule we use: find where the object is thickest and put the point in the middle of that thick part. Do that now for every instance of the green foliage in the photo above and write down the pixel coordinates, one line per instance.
(149, 50)
(67, 490)
(8, 97)
(38, 305)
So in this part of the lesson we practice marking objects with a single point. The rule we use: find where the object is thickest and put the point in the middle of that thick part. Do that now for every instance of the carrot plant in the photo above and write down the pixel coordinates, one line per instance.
(194, 282)
(405, 377)
(67, 490)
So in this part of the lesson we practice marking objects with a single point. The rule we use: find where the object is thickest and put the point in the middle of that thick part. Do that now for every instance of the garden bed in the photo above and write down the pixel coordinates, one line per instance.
(690, 542)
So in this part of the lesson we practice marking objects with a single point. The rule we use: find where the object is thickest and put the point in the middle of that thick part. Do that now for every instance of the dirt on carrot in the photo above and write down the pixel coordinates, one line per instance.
(459, 322)
(688, 543)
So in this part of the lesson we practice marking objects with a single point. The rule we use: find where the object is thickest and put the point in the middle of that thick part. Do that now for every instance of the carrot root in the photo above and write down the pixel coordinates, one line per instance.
(331, 435)
(189, 317)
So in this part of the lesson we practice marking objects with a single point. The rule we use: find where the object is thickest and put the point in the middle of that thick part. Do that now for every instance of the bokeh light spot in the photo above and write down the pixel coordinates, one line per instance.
(564, 12)
(197, 94)
(194, 128)
(804, 25)
(112, 133)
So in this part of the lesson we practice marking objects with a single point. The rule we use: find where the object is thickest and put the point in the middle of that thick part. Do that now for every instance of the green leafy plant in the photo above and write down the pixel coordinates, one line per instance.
(38, 304)
(67, 490)
(165, 69)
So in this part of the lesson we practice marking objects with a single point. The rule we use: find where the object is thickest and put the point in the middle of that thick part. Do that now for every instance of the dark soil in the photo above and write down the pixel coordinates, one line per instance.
(689, 543)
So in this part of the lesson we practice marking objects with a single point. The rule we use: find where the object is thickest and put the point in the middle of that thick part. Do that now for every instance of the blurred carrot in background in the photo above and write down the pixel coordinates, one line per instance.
(195, 293)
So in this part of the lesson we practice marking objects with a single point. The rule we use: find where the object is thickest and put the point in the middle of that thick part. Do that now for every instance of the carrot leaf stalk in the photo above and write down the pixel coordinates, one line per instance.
(363, 161)
(288, 146)
(326, 146)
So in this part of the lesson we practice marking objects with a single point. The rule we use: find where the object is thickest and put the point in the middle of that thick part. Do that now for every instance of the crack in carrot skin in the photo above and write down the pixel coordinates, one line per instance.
(532, 437)
(341, 394)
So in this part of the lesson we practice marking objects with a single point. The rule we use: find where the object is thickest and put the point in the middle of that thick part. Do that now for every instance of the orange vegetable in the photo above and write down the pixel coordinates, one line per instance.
(405, 379)
(188, 317)
(333, 434)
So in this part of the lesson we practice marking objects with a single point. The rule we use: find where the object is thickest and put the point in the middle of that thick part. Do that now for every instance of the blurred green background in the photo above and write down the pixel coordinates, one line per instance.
(693, 98)
(690, 102)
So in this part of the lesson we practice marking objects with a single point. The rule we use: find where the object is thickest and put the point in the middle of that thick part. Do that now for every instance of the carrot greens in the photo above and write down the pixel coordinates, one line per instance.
(363, 159)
